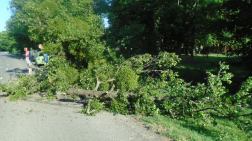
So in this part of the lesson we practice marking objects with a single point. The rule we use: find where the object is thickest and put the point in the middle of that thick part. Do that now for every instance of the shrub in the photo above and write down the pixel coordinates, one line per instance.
(26, 83)
(120, 105)
(60, 74)
(20, 93)
(126, 79)
(87, 81)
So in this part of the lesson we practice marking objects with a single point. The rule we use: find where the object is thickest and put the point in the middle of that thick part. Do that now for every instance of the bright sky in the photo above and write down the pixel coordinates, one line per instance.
(5, 14)
(105, 22)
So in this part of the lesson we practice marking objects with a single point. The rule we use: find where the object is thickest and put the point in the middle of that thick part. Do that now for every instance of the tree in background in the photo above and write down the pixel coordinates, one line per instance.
(238, 14)
(153, 26)
(238, 24)
(67, 27)
(8, 43)
(17, 28)
(133, 26)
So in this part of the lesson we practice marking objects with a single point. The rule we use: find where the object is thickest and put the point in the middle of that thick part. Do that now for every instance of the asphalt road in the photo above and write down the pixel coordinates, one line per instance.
(40, 120)
(11, 66)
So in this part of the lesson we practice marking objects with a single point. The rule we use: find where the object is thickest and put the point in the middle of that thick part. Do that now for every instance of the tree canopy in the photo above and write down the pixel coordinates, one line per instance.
(66, 27)
(153, 26)
(74, 28)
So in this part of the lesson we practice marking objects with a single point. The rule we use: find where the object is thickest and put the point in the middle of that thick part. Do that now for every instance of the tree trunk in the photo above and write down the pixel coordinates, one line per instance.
(83, 92)
(151, 36)
(207, 51)
(179, 42)
(194, 28)
(192, 51)
(186, 48)
(199, 47)
(93, 93)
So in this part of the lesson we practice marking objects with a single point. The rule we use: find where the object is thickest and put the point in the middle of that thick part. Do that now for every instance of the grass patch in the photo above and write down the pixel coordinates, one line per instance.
(174, 128)
(191, 130)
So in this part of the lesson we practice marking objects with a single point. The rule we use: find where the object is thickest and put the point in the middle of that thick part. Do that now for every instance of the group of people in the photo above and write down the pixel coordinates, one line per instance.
(29, 57)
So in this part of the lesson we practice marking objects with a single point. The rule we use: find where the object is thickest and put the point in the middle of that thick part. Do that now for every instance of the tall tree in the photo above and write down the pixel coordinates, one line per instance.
(238, 24)
(17, 27)
(156, 25)
(7, 43)
(66, 27)
(239, 28)
(133, 26)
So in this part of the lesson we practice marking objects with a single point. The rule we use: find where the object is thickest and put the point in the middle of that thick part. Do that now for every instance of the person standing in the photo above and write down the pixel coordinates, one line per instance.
(31, 54)
(46, 57)
(27, 59)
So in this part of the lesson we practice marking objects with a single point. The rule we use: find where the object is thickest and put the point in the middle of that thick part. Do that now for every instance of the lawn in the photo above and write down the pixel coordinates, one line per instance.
(197, 130)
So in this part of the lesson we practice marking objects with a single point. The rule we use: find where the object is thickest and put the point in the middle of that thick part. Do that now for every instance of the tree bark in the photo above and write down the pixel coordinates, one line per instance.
(199, 47)
(82, 92)
(194, 28)
(179, 48)
(207, 51)
(192, 50)
(186, 48)
(92, 93)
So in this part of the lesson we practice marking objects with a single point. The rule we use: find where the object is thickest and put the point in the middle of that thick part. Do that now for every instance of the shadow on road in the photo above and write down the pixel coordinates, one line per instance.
(17, 71)
(1, 95)
(13, 56)
(71, 100)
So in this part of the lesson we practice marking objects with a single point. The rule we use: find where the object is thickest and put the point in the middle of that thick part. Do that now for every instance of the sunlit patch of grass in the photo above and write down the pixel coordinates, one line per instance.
(174, 129)
(189, 130)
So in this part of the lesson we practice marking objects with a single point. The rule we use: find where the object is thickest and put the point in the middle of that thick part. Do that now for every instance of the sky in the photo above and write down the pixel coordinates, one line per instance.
(5, 14)
(105, 22)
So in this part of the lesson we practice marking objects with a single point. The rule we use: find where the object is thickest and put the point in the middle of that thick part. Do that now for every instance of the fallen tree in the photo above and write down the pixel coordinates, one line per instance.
(88, 95)
(173, 96)
(127, 76)
(94, 93)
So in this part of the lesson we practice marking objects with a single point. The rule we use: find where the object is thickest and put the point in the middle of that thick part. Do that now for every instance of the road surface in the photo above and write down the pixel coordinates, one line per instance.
(11, 66)
(40, 120)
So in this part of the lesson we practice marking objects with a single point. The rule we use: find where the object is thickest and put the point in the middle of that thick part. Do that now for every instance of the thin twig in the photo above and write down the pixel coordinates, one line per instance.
(88, 108)
(97, 84)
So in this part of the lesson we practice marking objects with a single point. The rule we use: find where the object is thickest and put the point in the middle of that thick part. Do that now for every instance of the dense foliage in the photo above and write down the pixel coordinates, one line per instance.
(132, 56)
(7, 43)
(157, 25)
